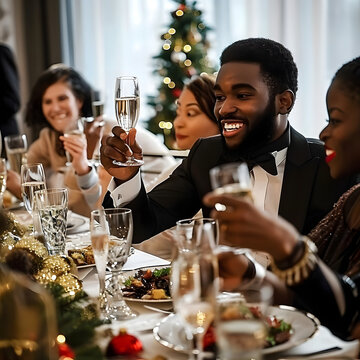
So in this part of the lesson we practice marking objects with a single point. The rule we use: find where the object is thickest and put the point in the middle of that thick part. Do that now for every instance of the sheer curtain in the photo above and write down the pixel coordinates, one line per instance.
(116, 37)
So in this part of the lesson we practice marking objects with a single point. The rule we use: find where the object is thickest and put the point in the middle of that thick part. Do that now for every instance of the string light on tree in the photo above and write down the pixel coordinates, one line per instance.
(183, 54)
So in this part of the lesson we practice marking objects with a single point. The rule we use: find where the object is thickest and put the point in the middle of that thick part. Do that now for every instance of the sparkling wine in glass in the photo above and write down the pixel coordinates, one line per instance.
(120, 225)
(16, 147)
(241, 323)
(3, 175)
(100, 236)
(76, 130)
(127, 107)
(194, 286)
(32, 180)
(232, 179)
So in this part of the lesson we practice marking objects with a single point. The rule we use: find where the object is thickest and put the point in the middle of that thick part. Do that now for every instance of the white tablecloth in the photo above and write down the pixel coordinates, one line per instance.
(142, 328)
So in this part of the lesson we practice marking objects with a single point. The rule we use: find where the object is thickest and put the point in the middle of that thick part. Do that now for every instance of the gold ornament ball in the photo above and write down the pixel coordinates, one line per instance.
(45, 276)
(60, 264)
(70, 283)
(34, 246)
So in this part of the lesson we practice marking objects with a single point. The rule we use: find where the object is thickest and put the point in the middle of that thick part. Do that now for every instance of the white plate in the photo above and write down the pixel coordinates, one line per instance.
(73, 223)
(170, 332)
(148, 301)
(127, 274)
(85, 266)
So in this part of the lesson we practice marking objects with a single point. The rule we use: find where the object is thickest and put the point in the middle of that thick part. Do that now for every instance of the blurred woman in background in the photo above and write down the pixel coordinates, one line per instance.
(58, 100)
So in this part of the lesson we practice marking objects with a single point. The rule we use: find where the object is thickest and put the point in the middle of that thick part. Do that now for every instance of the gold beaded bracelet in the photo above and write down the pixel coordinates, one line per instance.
(302, 268)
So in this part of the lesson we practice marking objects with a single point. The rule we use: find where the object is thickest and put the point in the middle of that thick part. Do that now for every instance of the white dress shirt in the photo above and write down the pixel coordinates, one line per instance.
(266, 187)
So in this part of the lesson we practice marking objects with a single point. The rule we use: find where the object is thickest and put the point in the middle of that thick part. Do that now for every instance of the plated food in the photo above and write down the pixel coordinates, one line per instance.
(83, 256)
(149, 284)
(170, 331)
(278, 330)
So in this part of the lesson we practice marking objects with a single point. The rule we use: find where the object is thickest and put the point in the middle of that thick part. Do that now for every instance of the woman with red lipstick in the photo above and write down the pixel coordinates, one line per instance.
(321, 275)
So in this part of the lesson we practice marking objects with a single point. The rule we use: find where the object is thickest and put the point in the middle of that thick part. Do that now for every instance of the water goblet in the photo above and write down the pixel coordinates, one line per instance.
(127, 107)
(120, 228)
(99, 230)
(3, 175)
(32, 180)
(241, 323)
(52, 205)
(194, 287)
(16, 147)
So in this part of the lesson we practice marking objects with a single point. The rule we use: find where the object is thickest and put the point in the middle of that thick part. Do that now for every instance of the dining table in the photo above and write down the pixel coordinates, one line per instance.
(322, 344)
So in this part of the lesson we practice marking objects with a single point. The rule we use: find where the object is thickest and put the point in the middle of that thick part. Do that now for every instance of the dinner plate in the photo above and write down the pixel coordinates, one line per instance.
(127, 274)
(170, 331)
(85, 266)
(73, 223)
(147, 301)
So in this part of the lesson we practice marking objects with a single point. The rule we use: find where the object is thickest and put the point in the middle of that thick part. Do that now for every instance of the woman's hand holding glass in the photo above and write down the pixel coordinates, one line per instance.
(75, 146)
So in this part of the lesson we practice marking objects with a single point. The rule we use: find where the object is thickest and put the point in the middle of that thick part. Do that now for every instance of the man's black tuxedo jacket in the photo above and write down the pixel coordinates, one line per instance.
(308, 192)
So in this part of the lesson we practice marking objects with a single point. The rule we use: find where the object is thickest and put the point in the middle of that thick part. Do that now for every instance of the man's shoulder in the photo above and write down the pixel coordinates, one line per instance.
(309, 146)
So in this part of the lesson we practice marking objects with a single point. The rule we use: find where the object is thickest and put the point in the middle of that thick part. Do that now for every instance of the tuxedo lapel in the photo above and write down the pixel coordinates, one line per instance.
(299, 175)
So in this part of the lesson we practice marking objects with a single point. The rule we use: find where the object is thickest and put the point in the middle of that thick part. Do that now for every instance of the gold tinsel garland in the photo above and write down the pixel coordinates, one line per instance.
(45, 269)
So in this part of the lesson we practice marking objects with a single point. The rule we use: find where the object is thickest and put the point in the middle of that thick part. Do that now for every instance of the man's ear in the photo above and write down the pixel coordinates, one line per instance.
(285, 101)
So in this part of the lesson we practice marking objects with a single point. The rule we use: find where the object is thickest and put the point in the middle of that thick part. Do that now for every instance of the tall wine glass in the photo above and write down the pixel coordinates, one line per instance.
(120, 224)
(32, 179)
(16, 147)
(3, 175)
(99, 231)
(127, 107)
(194, 286)
(75, 130)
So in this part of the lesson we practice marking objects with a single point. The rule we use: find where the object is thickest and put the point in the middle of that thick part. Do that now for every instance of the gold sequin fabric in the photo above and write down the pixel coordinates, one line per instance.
(338, 244)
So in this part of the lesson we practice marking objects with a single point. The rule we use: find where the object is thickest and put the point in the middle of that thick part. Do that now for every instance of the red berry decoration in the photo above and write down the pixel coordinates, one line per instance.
(124, 344)
(176, 92)
(209, 339)
(66, 351)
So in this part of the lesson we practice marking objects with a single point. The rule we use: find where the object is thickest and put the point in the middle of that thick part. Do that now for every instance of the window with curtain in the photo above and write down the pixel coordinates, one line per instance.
(105, 39)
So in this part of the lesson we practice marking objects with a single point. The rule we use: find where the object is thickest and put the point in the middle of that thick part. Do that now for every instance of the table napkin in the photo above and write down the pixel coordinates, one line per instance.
(140, 259)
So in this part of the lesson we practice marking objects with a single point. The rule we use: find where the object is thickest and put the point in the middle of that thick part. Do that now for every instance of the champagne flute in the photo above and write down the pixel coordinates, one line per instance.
(32, 180)
(241, 328)
(16, 147)
(3, 175)
(100, 236)
(194, 286)
(120, 224)
(75, 130)
(127, 107)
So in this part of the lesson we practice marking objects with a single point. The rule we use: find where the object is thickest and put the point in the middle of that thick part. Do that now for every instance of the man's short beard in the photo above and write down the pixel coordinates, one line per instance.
(263, 132)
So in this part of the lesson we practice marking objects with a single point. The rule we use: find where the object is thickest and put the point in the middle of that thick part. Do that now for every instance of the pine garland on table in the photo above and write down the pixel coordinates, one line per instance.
(77, 322)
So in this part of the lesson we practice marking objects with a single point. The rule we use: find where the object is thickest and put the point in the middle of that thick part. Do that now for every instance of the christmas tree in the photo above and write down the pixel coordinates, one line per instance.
(183, 54)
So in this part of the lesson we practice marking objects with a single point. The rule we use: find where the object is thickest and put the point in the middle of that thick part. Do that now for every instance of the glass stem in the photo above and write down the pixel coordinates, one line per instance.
(102, 295)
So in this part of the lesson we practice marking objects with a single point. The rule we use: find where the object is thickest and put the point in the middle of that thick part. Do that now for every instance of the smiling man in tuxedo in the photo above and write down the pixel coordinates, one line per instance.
(255, 91)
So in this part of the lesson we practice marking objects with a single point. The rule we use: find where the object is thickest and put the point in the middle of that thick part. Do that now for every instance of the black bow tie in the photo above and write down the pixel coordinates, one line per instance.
(262, 156)
(266, 161)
